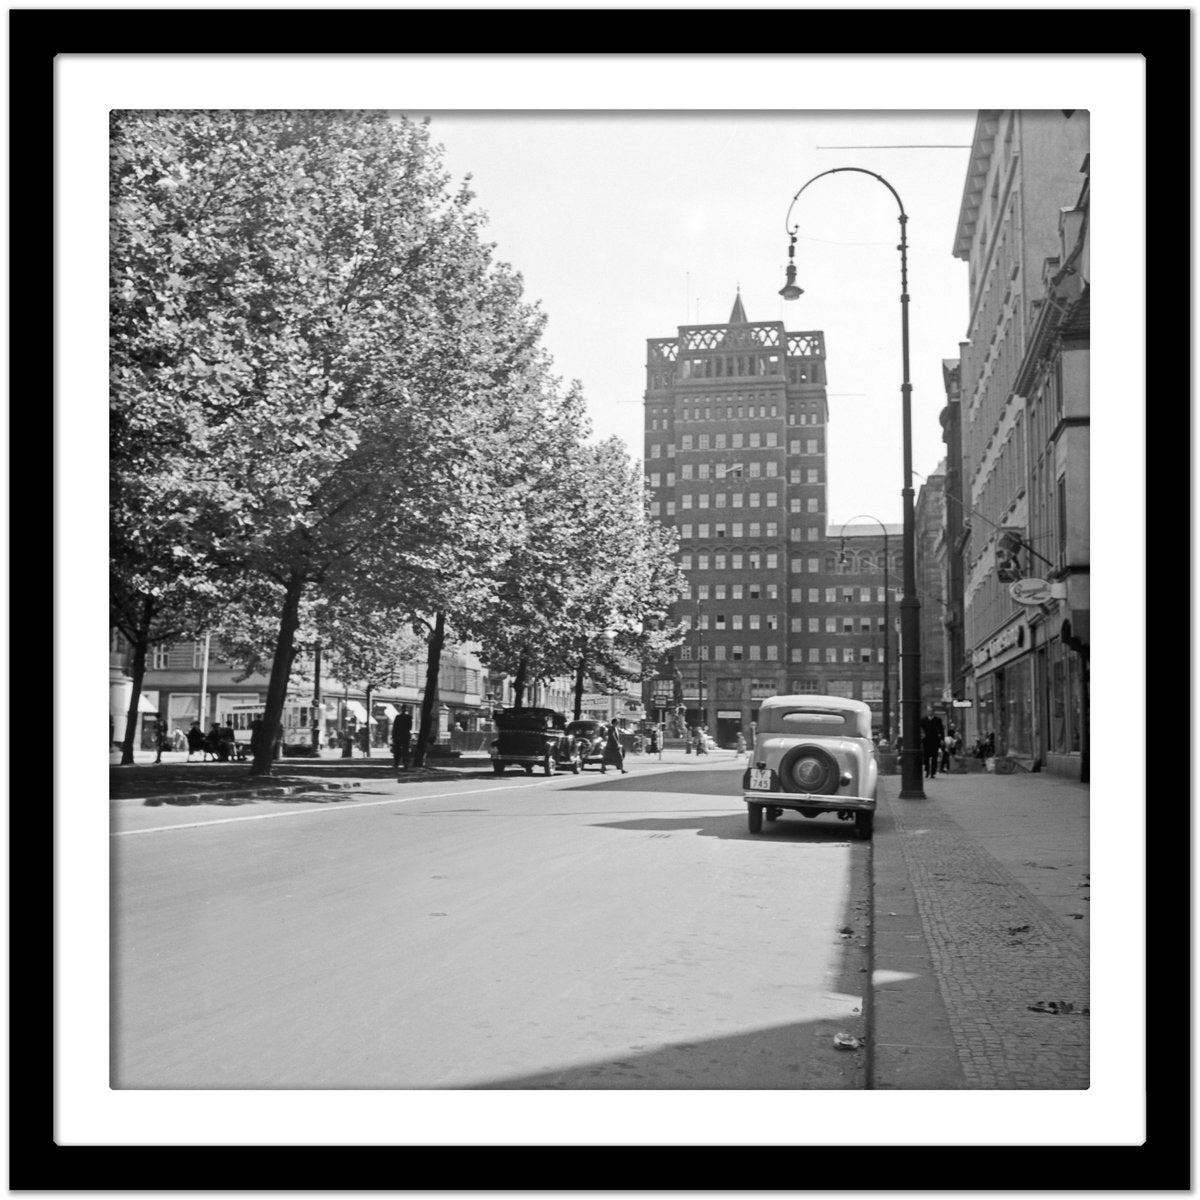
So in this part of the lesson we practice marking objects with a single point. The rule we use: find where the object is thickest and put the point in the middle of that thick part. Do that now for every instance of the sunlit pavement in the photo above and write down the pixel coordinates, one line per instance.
(511, 932)
(981, 934)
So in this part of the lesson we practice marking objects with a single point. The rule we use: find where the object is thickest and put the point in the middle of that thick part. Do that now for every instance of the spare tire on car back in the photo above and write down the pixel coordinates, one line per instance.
(810, 769)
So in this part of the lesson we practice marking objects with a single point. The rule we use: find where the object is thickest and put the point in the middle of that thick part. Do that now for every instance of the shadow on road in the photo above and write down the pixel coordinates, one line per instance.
(798, 829)
(801, 1055)
(685, 782)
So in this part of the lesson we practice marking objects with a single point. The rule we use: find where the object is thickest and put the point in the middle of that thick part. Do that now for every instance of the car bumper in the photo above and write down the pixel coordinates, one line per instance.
(799, 800)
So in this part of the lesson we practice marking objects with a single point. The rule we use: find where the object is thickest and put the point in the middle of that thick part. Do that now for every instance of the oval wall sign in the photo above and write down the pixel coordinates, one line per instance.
(1030, 591)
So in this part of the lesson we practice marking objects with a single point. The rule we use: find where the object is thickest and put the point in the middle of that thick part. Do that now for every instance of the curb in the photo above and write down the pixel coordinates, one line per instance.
(245, 795)
(910, 1041)
(235, 796)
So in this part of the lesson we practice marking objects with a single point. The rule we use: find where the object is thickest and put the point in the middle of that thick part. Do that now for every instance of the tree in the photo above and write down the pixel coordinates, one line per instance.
(160, 589)
(292, 294)
(578, 589)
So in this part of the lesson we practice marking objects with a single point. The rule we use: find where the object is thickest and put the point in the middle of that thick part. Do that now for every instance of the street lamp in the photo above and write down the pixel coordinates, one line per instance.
(886, 724)
(910, 607)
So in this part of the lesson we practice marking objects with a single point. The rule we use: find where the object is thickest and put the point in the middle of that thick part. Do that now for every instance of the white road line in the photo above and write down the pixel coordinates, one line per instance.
(308, 812)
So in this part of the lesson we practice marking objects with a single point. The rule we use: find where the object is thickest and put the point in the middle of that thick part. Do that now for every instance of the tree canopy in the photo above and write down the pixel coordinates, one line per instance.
(327, 396)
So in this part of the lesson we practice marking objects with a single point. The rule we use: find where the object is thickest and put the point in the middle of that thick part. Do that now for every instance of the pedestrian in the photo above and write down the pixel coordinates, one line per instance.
(162, 740)
(932, 733)
(364, 740)
(226, 742)
(701, 739)
(612, 752)
(195, 740)
(741, 745)
(401, 739)
(256, 736)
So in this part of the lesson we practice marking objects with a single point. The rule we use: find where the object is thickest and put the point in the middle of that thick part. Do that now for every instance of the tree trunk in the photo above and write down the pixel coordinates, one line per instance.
(138, 673)
(433, 664)
(367, 739)
(281, 669)
(519, 682)
(580, 672)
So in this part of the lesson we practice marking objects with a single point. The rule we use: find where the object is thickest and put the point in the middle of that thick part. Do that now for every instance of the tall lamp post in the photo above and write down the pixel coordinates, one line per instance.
(886, 724)
(911, 787)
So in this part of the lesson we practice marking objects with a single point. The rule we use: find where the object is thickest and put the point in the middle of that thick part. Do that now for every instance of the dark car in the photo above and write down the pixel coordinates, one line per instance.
(589, 737)
(533, 737)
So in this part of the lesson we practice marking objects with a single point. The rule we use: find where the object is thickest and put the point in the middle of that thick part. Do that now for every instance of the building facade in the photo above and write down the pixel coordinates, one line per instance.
(954, 651)
(1054, 382)
(929, 518)
(192, 681)
(1024, 169)
(736, 420)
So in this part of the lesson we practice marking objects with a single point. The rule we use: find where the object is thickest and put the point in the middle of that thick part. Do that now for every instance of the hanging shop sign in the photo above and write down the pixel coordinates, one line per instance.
(1031, 591)
(729, 714)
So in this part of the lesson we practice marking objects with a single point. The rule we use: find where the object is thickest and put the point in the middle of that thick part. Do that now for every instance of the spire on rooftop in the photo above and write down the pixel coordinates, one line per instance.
(738, 316)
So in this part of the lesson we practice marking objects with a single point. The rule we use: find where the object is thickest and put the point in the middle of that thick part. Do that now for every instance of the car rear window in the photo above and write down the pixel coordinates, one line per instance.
(814, 723)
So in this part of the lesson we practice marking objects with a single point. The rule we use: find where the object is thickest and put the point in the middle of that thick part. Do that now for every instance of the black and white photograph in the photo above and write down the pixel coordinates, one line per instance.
(600, 603)
(467, 734)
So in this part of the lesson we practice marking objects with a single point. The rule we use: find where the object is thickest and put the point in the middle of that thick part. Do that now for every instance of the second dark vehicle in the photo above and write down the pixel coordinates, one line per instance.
(534, 737)
(589, 737)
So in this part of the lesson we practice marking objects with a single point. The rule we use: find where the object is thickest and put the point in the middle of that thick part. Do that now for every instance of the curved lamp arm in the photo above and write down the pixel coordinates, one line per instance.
(791, 290)
(833, 171)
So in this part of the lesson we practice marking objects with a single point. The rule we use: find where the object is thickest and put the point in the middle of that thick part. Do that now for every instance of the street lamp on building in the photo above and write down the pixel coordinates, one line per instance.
(886, 723)
(910, 607)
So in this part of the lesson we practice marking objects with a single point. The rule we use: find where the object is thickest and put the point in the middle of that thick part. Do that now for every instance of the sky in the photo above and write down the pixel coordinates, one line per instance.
(627, 225)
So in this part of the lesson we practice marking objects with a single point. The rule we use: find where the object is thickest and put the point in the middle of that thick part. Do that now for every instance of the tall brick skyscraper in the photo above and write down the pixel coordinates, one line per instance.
(736, 419)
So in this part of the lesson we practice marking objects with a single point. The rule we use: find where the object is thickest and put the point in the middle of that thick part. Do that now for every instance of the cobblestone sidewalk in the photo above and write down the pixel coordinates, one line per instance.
(979, 983)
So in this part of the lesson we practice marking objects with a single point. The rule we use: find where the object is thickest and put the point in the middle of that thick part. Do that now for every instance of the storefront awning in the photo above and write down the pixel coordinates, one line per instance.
(355, 709)
(387, 710)
(145, 704)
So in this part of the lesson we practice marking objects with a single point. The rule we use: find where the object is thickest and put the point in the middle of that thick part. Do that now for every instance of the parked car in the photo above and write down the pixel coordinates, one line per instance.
(533, 737)
(812, 755)
(589, 737)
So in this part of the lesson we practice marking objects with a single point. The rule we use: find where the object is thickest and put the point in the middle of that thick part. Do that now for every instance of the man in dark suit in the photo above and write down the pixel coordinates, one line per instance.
(401, 739)
(932, 733)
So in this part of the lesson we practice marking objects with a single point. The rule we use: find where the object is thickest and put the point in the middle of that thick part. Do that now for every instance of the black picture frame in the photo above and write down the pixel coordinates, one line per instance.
(37, 36)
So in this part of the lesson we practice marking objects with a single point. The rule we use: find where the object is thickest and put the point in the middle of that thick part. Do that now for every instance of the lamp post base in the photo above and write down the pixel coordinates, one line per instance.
(910, 776)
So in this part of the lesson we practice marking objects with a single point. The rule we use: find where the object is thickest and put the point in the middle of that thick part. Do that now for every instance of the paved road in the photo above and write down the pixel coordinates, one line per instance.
(616, 932)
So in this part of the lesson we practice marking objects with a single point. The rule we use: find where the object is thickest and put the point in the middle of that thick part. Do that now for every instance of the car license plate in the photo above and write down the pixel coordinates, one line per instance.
(760, 781)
